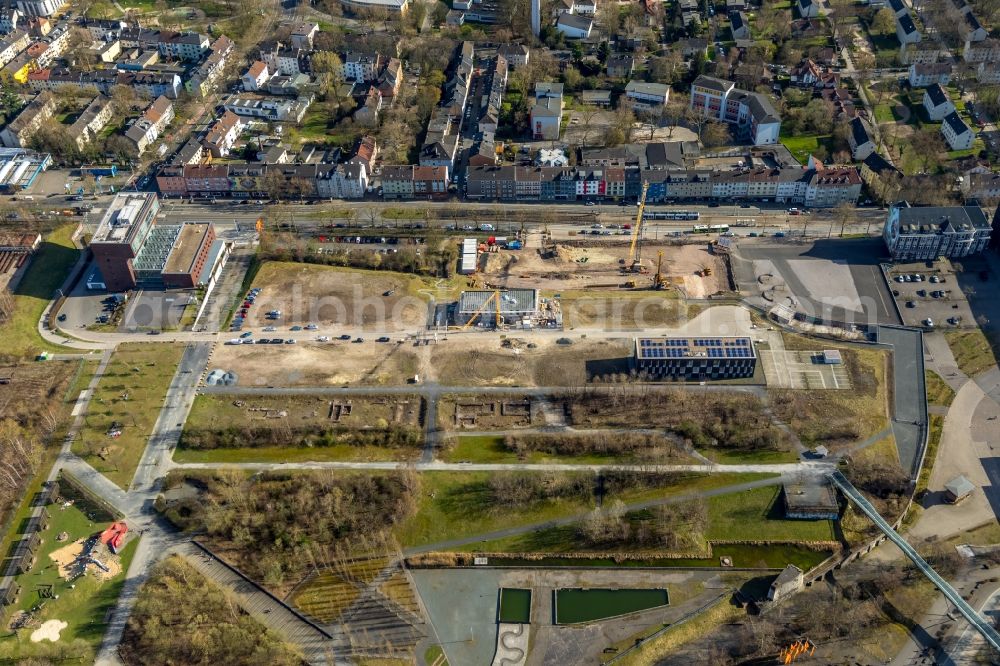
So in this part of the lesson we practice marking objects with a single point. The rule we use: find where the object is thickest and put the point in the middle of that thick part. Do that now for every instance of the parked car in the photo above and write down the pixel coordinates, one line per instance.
(345, 336)
(384, 338)
(296, 328)
(247, 334)
(358, 340)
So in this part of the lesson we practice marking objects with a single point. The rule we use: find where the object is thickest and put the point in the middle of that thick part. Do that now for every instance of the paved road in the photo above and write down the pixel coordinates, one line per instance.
(811, 467)
(167, 430)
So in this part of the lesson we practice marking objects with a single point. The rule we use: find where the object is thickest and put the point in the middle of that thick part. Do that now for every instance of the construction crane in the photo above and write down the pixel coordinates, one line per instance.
(494, 298)
(659, 280)
(634, 262)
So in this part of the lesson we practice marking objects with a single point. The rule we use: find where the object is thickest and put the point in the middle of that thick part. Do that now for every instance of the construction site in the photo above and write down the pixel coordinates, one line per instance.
(613, 258)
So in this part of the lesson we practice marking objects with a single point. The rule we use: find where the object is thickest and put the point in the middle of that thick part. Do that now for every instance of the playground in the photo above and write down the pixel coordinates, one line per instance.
(71, 585)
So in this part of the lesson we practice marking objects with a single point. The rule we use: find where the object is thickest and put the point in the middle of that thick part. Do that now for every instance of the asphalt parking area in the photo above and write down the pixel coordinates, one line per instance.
(802, 370)
(943, 302)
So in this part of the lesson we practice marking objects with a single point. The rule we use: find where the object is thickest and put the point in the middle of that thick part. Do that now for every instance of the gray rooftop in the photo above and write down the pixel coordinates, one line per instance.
(512, 301)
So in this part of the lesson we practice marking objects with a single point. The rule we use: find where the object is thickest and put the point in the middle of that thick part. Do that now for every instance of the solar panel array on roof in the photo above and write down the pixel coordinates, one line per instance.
(695, 348)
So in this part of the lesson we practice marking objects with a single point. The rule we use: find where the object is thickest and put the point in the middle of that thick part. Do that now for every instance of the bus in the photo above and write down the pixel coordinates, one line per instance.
(671, 215)
(719, 228)
(699, 229)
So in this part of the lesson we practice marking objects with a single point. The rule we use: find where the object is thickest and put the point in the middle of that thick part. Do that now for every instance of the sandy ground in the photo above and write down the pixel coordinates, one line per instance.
(49, 631)
(318, 364)
(65, 556)
(337, 297)
(597, 267)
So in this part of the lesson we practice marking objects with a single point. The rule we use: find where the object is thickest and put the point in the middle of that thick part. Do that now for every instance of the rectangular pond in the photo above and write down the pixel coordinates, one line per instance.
(575, 605)
(515, 605)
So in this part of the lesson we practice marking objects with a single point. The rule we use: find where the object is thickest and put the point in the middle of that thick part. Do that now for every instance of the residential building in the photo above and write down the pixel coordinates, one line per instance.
(881, 177)
(390, 80)
(860, 139)
(956, 132)
(695, 358)
(922, 52)
(926, 233)
(12, 45)
(752, 113)
(906, 30)
(899, 8)
(546, 118)
(988, 72)
(973, 29)
(148, 127)
(516, 55)
(652, 96)
(740, 25)
(368, 114)
(937, 103)
(39, 7)
(407, 182)
(809, 74)
(362, 67)
(620, 65)
(269, 109)
(91, 121)
(9, 19)
(363, 6)
(303, 34)
(222, 134)
(255, 77)
(922, 75)
(600, 98)
(19, 131)
(430, 182)
(285, 61)
(807, 8)
(574, 26)
(366, 153)
(346, 181)
(982, 186)
(985, 51)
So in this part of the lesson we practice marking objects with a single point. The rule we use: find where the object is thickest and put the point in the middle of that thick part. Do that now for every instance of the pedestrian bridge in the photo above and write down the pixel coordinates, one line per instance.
(968, 612)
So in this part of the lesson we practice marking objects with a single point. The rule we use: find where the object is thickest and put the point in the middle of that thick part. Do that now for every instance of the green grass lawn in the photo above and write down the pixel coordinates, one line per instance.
(455, 505)
(84, 606)
(131, 393)
(756, 515)
(278, 454)
(727, 457)
(972, 351)
(490, 449)
(801, 147)
(49, 267)
(938, 391)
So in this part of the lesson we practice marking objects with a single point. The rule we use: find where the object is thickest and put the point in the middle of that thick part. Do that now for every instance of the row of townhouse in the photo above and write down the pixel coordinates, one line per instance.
(205, 78)
(489, 121)
(348, 180)
(91, 121)
(410, 181)
(18, 132)
(906, 29)
(190, 46)
(753, 115)
(815, 185)
(269, 109)
(445, 125)
(148, 127)
(150, 84)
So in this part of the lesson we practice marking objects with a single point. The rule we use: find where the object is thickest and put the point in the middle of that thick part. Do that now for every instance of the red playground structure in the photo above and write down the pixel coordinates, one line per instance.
(114, 536)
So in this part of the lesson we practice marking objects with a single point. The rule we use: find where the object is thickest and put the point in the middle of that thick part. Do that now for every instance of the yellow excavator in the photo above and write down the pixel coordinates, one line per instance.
(634, 262)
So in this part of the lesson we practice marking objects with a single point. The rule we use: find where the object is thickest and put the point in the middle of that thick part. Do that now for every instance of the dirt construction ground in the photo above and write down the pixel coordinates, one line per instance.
(471, 359)
(330, 296)
(585, 265)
